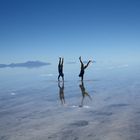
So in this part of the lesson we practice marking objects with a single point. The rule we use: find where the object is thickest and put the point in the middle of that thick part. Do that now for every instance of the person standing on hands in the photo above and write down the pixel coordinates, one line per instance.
(83, 68)
(60, 69)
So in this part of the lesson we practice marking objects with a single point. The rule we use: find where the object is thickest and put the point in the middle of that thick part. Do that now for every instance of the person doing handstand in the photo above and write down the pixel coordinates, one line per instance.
(83, 68)
(60, 68)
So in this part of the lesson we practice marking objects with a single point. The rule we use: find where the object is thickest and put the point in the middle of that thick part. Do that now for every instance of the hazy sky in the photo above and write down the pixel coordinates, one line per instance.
(106, 30)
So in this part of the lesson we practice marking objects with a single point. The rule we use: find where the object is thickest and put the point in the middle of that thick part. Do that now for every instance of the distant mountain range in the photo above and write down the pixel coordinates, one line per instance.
(28, 64)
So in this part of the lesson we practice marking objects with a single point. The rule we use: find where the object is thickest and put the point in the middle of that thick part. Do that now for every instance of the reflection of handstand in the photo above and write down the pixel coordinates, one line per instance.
(83, 68)
(60, 68)
(61, 92)
(84, 93)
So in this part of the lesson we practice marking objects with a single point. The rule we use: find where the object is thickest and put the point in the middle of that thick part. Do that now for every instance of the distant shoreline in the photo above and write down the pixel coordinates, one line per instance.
(28, 64)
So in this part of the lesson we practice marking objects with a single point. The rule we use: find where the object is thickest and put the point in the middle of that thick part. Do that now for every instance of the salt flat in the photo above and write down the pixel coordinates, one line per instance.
(32, 109)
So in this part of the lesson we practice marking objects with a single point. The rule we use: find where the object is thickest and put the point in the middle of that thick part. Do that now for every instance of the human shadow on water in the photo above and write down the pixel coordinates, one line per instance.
(84, 93)
(61, 92)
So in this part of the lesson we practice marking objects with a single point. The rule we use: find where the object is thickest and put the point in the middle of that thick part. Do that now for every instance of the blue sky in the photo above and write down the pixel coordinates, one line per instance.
(106, 30)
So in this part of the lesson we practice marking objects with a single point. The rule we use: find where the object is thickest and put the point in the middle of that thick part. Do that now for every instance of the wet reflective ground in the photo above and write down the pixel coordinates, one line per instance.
(34, 106)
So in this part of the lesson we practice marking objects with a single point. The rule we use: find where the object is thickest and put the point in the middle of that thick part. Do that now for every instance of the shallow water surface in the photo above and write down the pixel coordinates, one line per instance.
(33, 105)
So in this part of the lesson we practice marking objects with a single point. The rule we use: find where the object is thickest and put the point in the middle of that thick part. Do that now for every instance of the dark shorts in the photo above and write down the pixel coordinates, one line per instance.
(61, 74)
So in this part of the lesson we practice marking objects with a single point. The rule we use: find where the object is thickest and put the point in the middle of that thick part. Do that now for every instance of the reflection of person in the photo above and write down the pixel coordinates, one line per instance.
(84, 93)
(83, 68)
(61, 92)
(60, 68)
